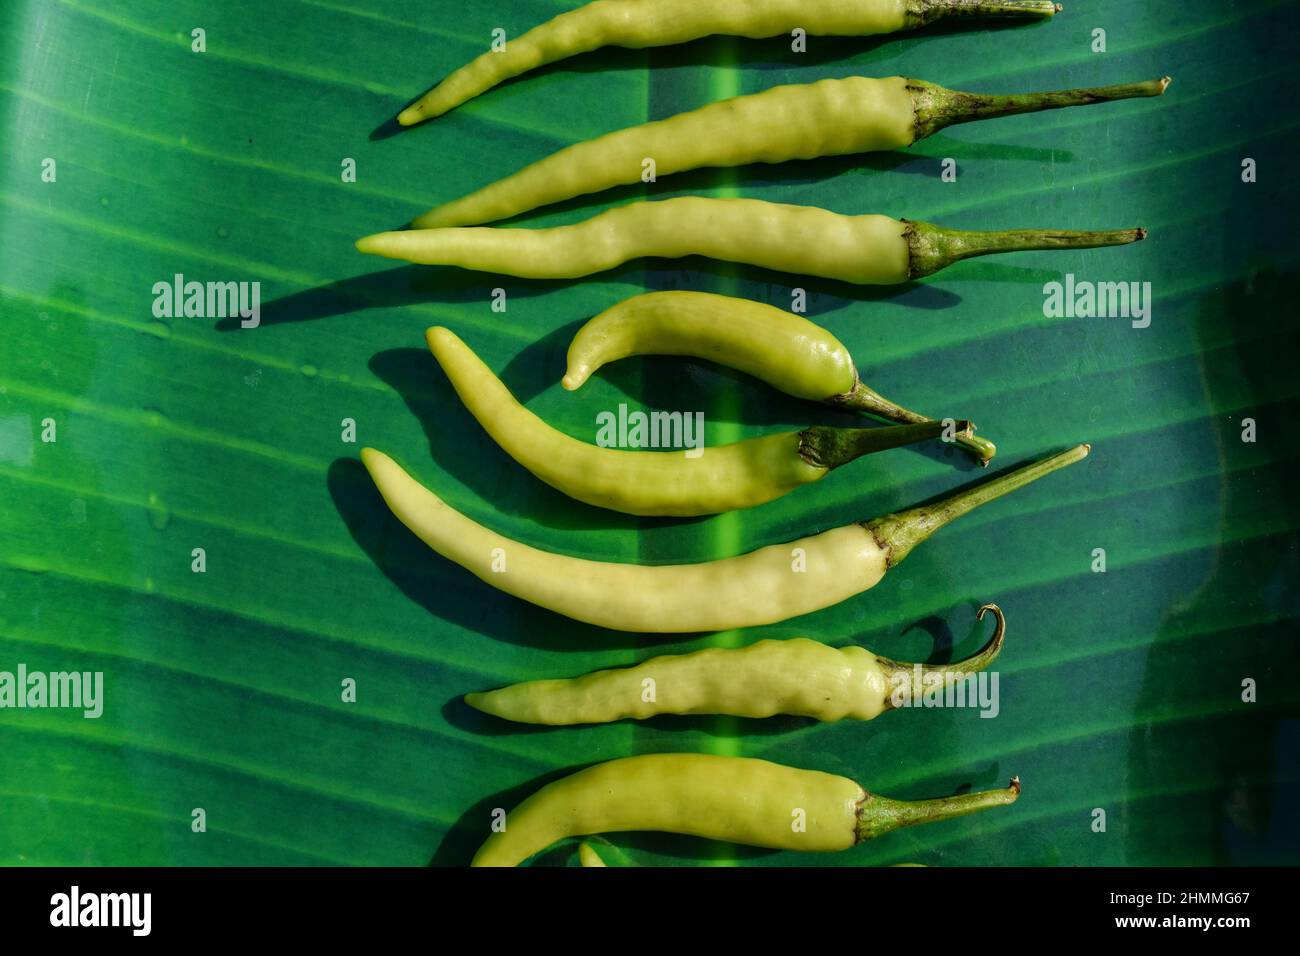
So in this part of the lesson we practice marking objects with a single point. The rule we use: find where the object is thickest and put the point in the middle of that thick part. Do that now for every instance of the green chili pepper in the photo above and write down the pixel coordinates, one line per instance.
(737, 799)
(826, 118)
(782, 349)
(799, 676)
(762, 587)
(693, 481)
(870, 250)
(636, 24)
(587, 855)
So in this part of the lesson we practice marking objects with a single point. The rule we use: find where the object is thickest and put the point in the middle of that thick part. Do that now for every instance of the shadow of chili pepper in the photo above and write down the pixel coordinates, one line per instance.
(415, 284)
(689, 384)
(824, 295)
(463, 838)
(941, 145)
(394, 288)
(682, 847)
(390, 127)
(461, 448)
(974, 270)
(732, 728)
(783, 176)
(940, 633)
(540, 364)
(791, 173)
(461, 715)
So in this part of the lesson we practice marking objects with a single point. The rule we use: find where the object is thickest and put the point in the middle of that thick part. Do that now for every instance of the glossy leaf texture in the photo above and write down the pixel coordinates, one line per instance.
(1118, 691)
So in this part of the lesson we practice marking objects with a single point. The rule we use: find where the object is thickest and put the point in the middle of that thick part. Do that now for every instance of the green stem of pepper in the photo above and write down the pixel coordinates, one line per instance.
(931, 247)
(899, 533)
(937, 107)
(912, 676)
(919, 13)
(830, 447)
(862, 398)
(878, 815)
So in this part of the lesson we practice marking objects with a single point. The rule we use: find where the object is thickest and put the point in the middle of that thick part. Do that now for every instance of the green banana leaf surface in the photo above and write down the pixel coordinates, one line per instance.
(1147, 697)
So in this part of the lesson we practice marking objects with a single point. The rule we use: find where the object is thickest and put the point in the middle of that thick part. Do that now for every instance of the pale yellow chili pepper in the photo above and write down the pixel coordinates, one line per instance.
(737, 799)
(804, 240)
(699, 480)
(762, 587)
(796, 676)
(827, 118)
(636, 24)
(780, 348)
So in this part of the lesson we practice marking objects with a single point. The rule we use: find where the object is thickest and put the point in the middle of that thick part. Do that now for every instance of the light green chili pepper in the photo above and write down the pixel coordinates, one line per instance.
(587, 855)
(801, 677)
(782, 349)
(765, 586)
(636, 24)
(693, 481)
(826, 118)
(870, 250)
(737, 799)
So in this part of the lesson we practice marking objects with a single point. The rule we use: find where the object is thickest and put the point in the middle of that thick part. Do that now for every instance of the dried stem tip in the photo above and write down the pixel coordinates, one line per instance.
(877, 815)
(922, 12)
(913, 680)
(937, 107)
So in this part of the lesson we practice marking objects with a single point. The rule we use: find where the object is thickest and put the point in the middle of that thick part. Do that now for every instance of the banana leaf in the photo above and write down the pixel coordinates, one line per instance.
(1121, 691)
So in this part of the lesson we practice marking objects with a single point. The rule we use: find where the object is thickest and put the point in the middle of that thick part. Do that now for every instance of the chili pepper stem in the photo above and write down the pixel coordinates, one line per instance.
(878, 815)
(931, 248)
(899, 533)
(863, 398)
(830, 447)
(913, 676)
(922, 12)
(937, 107)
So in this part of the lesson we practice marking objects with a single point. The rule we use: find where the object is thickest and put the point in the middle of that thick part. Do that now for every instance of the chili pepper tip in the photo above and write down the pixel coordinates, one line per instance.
(1015, 784)
(411, 115)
